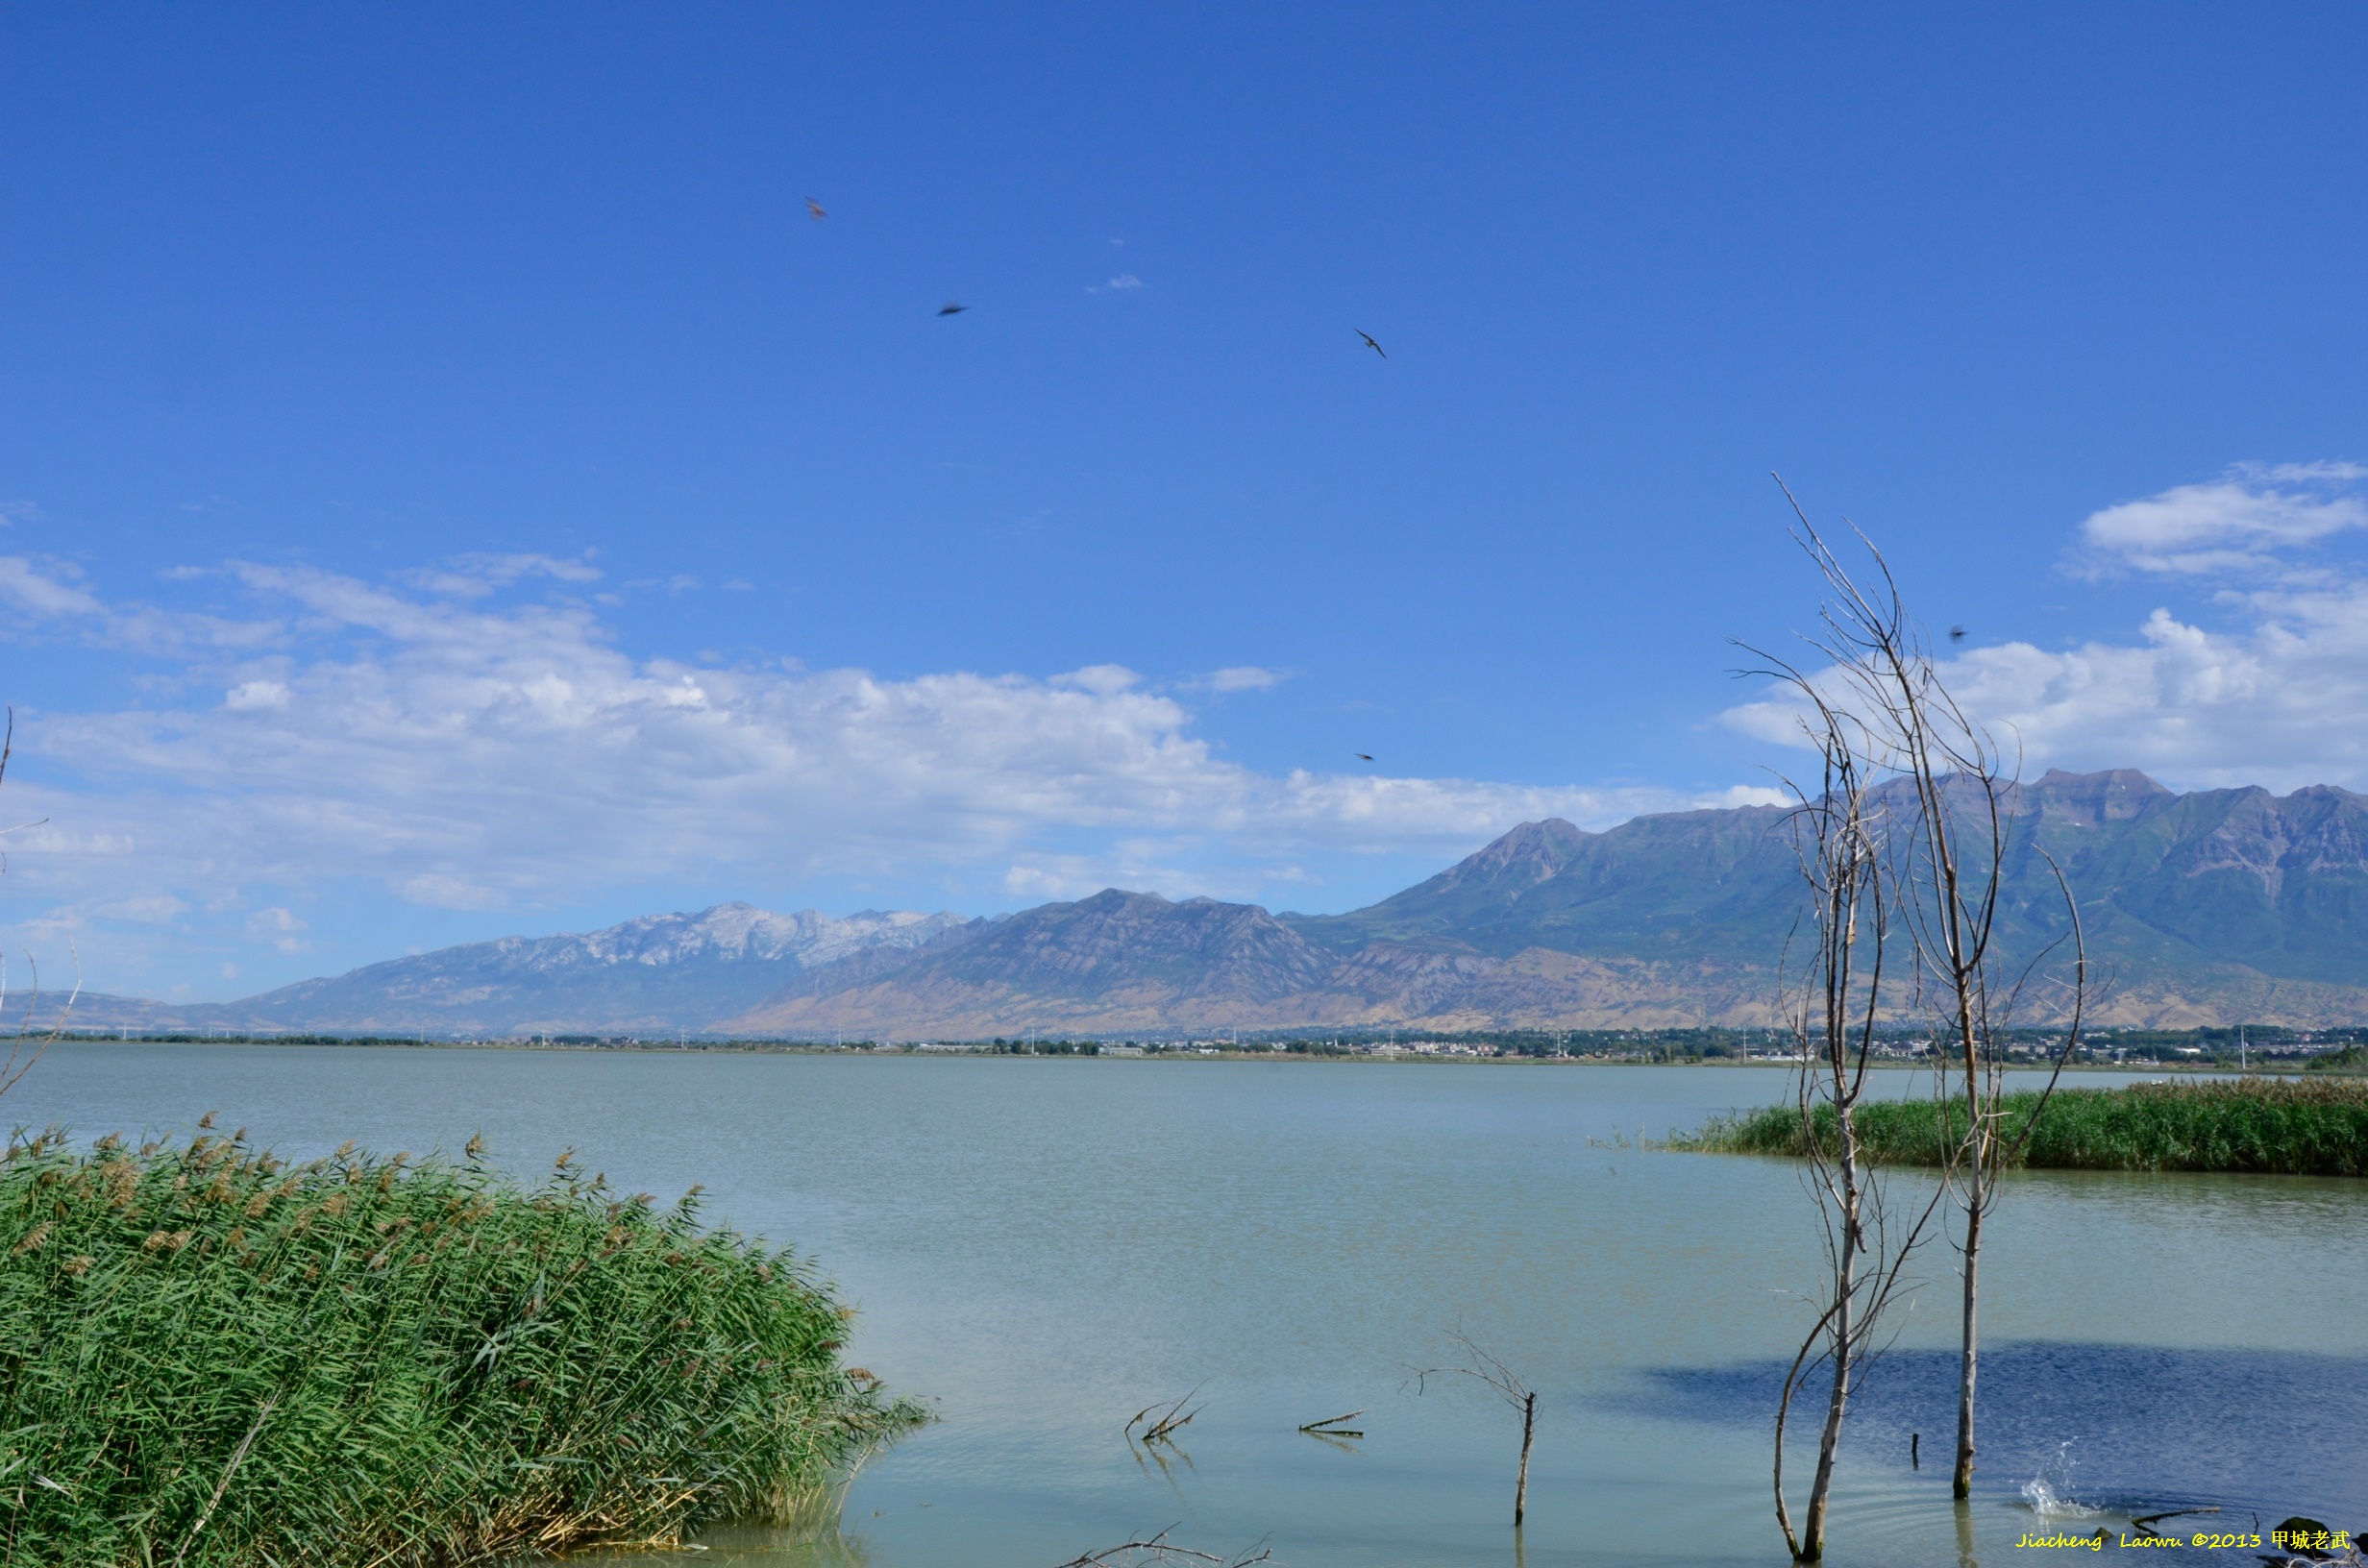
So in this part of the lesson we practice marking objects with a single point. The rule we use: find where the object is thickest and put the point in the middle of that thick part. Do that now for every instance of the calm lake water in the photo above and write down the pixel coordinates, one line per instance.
(1043, 1246)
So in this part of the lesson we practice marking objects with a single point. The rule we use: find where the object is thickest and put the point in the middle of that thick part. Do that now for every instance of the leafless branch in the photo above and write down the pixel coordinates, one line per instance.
(1159, 1550)
(1159, 1422)
(1509, 1386)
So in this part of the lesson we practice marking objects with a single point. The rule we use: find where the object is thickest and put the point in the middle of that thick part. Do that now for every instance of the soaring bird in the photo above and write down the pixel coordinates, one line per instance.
(814, 210)
(1957, 634)
(1362, 757)
(951, 307)
(1368, 341)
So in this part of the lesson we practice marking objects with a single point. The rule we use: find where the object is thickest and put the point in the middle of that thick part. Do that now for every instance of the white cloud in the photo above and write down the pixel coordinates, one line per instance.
(1242, 677)
(29, 589)
(249, 694)
(2259, 684)
(1101, 679)
(2282, 701)
(471, 755)
(279, 927)
(2237, 522)
(1736, 795)
(476, 574)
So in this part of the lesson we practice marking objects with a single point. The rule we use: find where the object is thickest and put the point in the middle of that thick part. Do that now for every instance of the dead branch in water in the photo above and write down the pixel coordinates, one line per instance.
(1162, 1427)
(1159, 1550)
(2145, 1524)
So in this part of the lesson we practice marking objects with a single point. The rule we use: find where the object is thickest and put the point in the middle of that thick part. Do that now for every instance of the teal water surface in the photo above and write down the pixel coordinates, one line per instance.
(1043, 1246)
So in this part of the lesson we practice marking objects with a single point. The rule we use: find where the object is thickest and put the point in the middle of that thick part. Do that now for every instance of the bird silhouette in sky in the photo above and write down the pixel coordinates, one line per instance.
(1957, 634)
(1362, 757)
(951, 307)
(1368, 341)
(814, 210)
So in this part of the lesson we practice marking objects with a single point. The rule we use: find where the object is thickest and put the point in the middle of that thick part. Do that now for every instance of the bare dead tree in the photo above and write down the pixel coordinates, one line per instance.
(1509, 1386)
(1947, 865)
(1833, 1000)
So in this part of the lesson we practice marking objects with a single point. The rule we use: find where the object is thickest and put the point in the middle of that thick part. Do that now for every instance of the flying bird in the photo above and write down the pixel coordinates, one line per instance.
(951, 307)
(1362, 757)
(814, 210)
(1957, 634)
(1368, 341)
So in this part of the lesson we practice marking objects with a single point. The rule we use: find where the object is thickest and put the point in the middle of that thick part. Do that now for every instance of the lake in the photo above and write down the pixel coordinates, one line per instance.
(1043, 1246)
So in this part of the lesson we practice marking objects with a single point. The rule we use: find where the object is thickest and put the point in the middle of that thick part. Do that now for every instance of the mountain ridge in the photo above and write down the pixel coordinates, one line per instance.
(2202, 908)
(643, 975)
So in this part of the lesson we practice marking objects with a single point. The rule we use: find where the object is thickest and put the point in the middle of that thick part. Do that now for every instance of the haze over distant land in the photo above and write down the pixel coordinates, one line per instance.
(2214, 907)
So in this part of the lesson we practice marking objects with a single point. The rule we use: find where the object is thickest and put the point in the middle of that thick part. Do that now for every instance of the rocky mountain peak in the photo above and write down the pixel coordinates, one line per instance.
(2089, 799)
(1528, 853)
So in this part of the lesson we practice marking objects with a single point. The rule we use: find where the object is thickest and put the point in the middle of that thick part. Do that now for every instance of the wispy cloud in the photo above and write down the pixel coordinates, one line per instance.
(2244, 521)
(45, 594)
(475, 576)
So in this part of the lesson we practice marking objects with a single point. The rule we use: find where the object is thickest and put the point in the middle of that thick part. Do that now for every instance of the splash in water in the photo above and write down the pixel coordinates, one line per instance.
(2049, 1493)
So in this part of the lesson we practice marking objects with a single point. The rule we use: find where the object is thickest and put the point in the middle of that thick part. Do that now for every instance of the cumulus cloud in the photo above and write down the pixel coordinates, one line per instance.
(2264, 681)
(1242, 677)
(466, 753)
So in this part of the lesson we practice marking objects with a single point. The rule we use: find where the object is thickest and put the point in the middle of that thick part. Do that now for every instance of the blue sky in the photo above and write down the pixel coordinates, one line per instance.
(454, 487)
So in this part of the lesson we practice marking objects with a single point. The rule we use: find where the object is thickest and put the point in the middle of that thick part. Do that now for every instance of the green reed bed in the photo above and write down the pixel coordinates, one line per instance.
(2307, 1128)
(210, 1358)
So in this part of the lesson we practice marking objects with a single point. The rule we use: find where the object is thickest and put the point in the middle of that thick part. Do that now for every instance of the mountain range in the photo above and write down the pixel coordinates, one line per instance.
(2214, 907)
(650, 976)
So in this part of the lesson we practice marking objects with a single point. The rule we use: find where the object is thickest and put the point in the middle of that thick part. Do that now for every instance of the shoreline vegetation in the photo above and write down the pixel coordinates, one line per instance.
(2269, 1126)
(208, 1357)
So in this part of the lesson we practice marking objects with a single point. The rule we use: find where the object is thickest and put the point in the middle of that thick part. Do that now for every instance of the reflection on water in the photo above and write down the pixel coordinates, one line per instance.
(2098, 1433)
(1046, 1246)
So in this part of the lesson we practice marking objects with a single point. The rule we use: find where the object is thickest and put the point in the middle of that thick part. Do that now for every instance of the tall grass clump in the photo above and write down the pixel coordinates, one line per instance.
(2266, 1125)
(211, 1358)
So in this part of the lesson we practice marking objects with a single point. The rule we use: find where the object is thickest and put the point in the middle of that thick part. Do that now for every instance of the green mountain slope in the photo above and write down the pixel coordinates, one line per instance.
(2224, 902)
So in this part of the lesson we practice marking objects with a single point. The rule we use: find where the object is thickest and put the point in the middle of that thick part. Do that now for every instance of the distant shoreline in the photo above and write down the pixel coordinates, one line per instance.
(2277, 1066)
